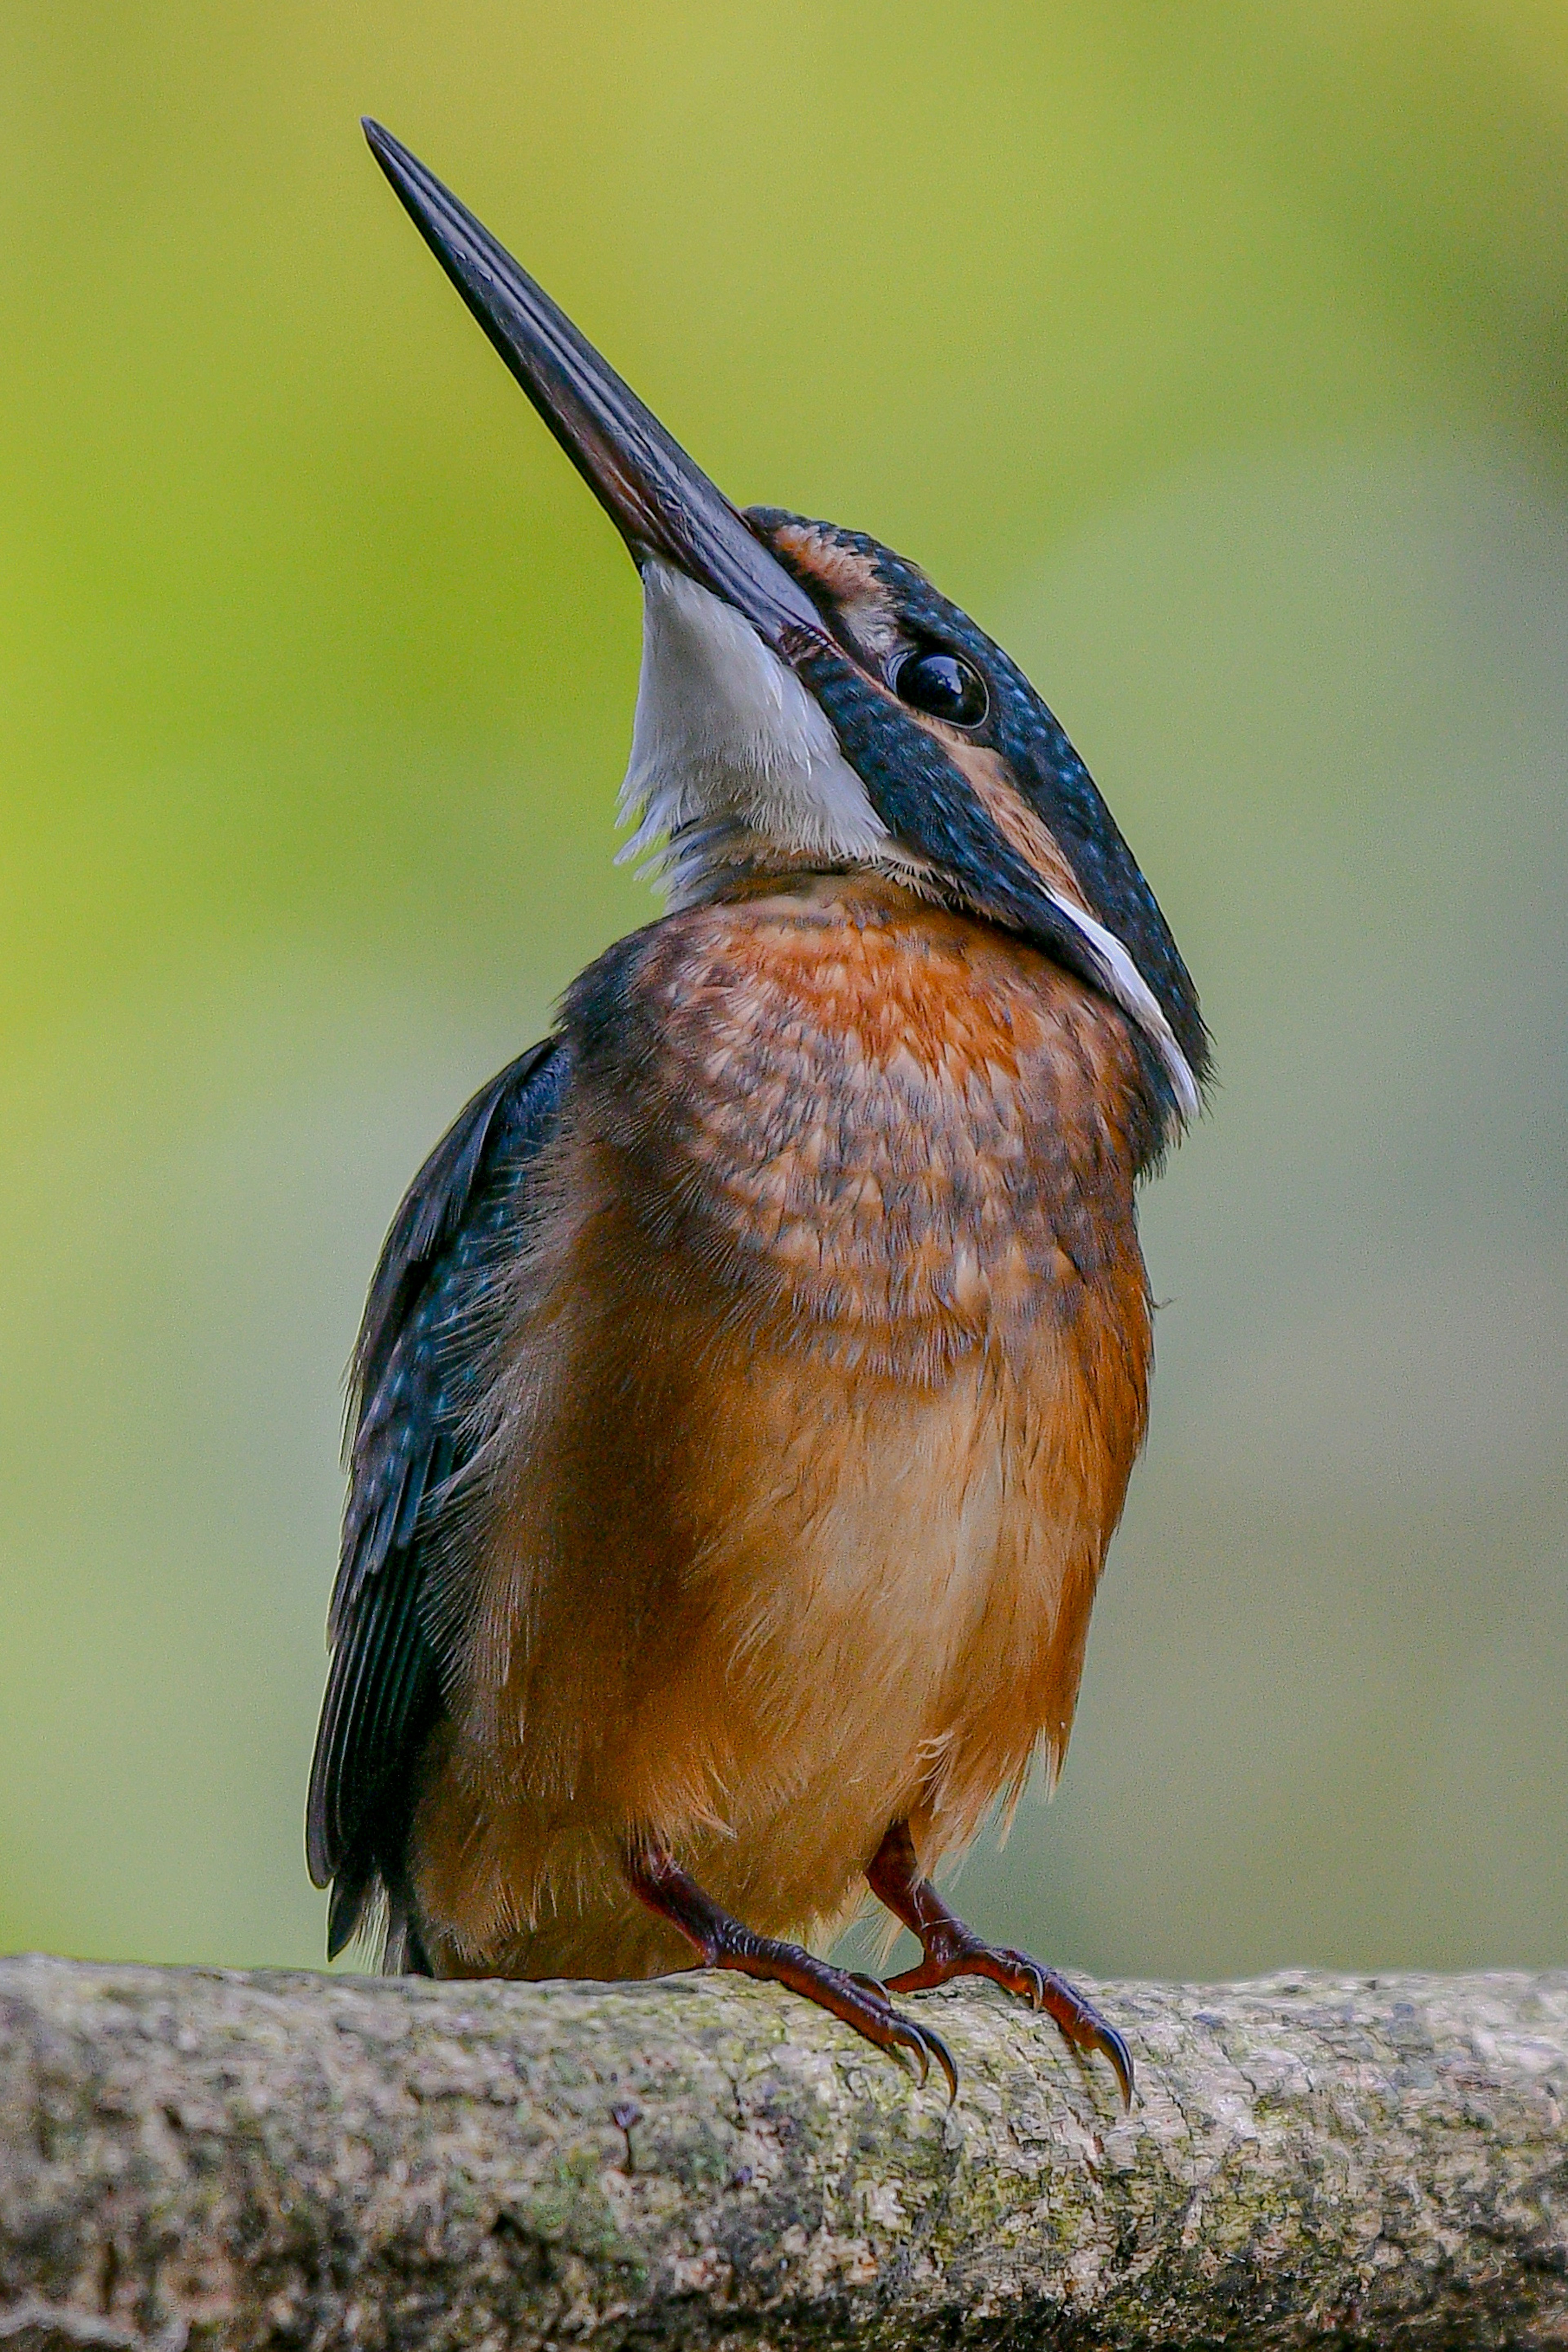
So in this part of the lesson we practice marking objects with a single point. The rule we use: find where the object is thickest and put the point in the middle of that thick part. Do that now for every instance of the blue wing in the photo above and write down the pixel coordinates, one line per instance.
(412, 1387)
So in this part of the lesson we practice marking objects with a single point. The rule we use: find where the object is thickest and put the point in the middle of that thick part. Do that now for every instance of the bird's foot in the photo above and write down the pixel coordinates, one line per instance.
(722, 1942)
(950, 1949)
(963, 1954)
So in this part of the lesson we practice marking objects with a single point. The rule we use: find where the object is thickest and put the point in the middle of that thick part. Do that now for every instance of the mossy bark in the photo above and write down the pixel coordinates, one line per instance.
(193, 2156)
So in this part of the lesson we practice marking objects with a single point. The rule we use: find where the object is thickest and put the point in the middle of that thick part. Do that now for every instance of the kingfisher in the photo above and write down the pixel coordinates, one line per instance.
(751, 1381)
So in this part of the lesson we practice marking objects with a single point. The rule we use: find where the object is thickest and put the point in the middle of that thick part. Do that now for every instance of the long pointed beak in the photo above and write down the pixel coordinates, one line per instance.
(664, 507)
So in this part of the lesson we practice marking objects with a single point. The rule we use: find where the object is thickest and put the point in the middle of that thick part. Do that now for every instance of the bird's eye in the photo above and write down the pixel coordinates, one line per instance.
(945, 685)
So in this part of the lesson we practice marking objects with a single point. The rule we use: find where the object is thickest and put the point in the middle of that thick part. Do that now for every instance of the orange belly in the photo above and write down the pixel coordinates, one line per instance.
(816, 1394)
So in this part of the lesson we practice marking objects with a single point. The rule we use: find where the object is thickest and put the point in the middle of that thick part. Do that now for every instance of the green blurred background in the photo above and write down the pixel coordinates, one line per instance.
(1215, 357)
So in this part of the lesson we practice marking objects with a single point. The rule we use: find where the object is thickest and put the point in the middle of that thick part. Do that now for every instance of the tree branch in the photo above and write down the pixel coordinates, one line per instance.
(189, 2156)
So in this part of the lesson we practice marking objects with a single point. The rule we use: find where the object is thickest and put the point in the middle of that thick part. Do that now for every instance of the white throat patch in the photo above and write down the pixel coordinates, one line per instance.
(729, 751)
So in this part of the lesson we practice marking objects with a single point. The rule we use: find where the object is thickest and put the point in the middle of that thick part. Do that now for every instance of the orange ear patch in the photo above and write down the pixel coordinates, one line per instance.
(1018, 824)
(845, 580)
(846, 574)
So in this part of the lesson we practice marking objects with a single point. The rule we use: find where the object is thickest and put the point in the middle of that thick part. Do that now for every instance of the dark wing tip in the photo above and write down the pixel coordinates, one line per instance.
(323, 1846)
(318, 1861)
(346, 1910)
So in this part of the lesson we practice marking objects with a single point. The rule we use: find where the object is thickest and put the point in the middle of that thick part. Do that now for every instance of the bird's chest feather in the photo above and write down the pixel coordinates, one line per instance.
(896, 1135)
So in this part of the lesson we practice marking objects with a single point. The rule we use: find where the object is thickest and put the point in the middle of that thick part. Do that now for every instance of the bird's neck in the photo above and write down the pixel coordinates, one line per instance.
(854, 894)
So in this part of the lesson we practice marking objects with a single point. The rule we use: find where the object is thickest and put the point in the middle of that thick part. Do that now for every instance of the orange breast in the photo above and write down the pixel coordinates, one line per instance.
(905, 1132)
(821, 1386)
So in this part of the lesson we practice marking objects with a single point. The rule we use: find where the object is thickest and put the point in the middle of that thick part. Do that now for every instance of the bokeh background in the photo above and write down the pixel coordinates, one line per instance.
(1214, 355)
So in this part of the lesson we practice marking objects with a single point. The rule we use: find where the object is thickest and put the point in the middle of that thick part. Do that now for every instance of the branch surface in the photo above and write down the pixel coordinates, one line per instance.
(195, 2156)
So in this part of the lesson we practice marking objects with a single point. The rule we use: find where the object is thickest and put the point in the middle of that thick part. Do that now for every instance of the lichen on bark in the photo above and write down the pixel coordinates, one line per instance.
(190, 2157)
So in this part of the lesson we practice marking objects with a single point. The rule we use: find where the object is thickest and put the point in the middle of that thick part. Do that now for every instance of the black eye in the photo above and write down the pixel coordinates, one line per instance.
(944, 685)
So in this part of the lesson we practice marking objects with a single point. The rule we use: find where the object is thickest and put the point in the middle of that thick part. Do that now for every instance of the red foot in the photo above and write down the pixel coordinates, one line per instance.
(950, 1949)
(721, 1942)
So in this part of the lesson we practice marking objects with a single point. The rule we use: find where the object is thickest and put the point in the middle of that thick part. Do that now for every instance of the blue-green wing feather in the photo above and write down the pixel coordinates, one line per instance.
(414, 1388)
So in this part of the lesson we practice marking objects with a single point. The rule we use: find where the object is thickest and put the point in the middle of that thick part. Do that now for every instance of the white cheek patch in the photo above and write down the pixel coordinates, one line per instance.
(727, 747)
(1126, 986)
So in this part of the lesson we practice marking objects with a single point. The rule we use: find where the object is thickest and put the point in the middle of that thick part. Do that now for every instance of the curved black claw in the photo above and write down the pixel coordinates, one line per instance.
(1111, 2045)
(1084, 2027)
(900, 2035)
(944, 2057)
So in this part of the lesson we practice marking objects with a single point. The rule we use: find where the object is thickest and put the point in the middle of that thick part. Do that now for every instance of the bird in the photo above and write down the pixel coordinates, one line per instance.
(749, 1384)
